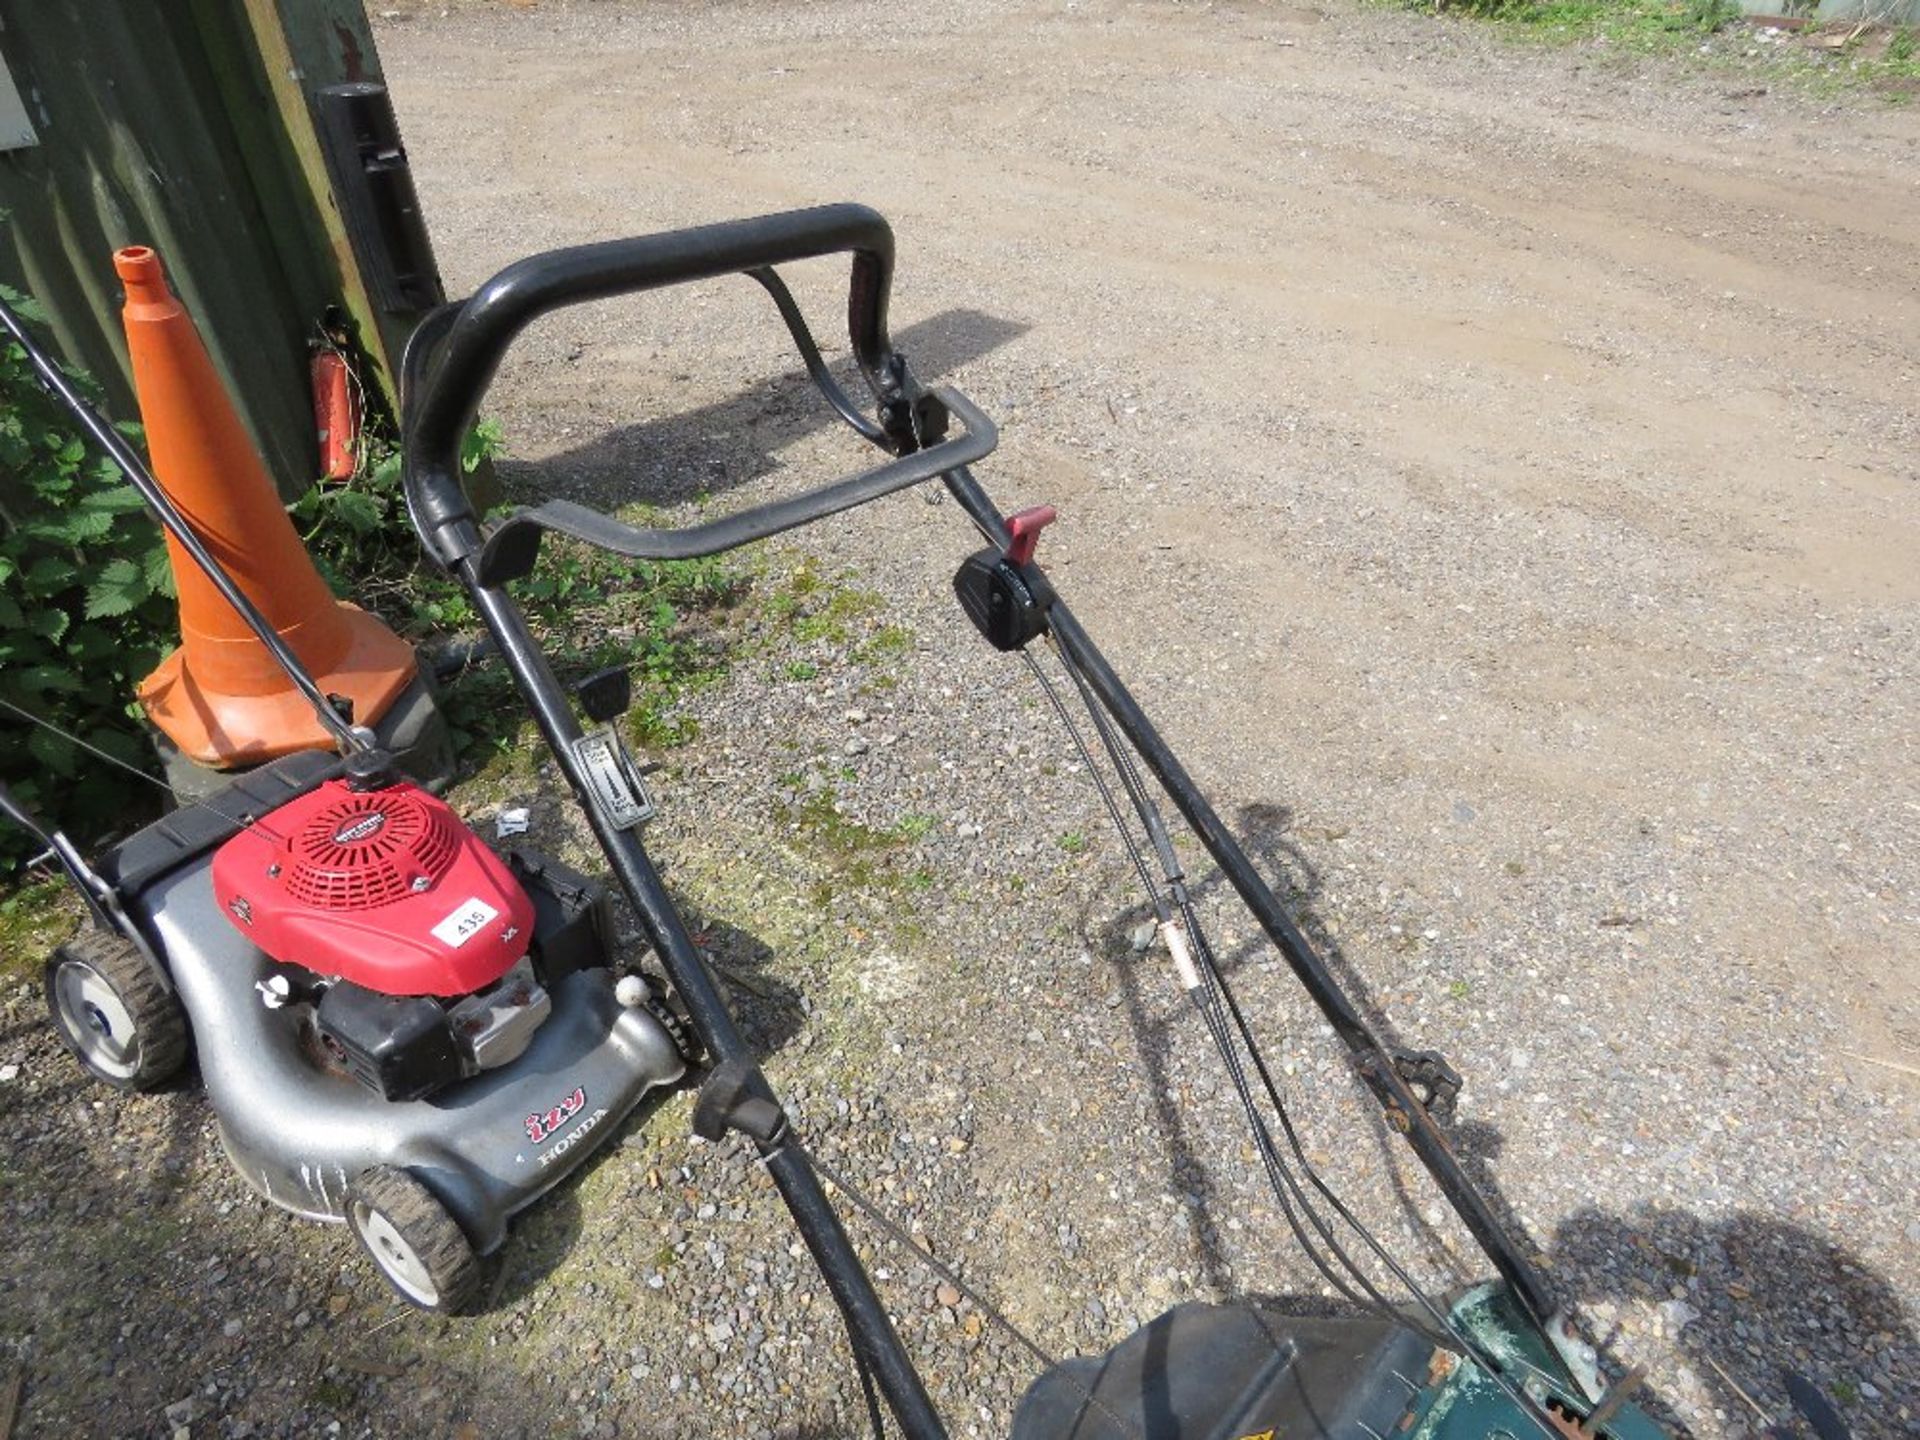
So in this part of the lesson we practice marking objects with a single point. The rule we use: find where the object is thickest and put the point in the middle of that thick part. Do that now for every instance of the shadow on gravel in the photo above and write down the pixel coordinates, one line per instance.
(541, 1238)
(1154, 1042)
(1759, 1298)
(726, 444)
(1263, 829)
(173, 1118)
(1753, 1300)
(765, 1007)
(1750, 1304)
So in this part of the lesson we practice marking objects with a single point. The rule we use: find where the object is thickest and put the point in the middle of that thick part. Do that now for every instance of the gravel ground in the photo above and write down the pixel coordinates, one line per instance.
(1493, 466)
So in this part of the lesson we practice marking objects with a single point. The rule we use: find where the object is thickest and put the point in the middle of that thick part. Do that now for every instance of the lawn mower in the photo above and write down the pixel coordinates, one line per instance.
(364, 1096)
(397, 1027)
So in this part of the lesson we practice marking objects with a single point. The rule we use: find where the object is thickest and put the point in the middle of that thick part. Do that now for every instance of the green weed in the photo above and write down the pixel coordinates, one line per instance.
(1675, 27)
(829, 620)
(811, 608)
(861, 859)
(1639, 25)
(86, 609)
(329, 1393)
(889, 642)
(818, 817)
(38, 915)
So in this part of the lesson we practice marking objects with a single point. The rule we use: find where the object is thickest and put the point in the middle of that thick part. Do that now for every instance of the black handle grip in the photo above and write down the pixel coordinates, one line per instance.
(467, 342)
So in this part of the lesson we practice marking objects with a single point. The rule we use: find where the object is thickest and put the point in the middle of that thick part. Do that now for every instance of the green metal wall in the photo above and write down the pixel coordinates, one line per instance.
(160, 124)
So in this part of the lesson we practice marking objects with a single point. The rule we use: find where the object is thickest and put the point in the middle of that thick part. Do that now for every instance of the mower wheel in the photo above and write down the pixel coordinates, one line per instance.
(413, 1241)
(113, 1013)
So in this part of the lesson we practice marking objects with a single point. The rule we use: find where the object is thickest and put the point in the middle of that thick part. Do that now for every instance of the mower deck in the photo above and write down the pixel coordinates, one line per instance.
(300, 1132)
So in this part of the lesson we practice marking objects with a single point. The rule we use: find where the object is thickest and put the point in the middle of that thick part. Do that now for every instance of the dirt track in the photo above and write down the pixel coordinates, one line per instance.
(1497, 469)
(1548, 423)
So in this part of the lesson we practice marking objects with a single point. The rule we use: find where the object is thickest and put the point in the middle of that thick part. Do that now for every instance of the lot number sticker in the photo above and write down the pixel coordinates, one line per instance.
(464, 923)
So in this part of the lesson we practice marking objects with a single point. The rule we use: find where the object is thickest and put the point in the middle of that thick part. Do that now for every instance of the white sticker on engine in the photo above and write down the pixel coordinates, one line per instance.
(464, 923)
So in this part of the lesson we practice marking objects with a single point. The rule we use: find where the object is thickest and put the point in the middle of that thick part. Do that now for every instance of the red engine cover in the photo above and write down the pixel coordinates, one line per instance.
(386, 888)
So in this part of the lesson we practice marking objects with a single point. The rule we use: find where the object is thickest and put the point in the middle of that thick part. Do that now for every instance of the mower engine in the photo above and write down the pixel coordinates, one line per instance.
(423, 957)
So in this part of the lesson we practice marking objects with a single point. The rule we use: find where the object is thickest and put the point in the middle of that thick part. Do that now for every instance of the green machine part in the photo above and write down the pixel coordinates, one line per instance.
(1468, 1404)
(1253, 1371)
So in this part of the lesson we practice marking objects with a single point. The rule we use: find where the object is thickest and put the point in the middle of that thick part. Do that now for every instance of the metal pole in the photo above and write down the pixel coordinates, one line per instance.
(1403, 1108)
(799, 1186)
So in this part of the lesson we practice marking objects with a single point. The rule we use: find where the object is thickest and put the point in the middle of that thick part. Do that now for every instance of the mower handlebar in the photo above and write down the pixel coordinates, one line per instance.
(511, 548)
(452, 357)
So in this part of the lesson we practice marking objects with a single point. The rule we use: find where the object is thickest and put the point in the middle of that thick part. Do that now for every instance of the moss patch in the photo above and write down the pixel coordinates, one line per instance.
(34, 918)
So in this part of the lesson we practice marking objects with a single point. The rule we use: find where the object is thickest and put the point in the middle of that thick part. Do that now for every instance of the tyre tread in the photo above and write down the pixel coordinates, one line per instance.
(434, 1235)
(161, 1024)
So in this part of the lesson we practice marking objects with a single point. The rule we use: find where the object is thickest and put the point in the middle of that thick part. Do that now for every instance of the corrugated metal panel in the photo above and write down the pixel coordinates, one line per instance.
(159, 124)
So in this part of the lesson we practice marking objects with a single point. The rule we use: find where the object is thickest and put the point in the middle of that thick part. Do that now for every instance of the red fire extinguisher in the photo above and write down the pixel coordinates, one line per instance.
(336, 419)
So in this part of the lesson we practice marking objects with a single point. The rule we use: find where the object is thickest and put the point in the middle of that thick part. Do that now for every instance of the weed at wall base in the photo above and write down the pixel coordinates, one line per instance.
(86, 610)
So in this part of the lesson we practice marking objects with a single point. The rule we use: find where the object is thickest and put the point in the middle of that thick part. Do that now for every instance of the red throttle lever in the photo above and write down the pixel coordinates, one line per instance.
(1023, 530)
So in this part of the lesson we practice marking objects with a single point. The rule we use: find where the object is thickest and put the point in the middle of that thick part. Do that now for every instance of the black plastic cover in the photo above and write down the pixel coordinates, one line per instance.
(606, 694)
(571, 916)
(195, 830)
(999, 601)
(1224, 1372)
(373, 185)
(399, 1046)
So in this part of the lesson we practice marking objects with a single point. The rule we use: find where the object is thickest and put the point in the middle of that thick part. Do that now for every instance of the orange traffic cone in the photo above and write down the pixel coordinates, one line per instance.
(221, 697)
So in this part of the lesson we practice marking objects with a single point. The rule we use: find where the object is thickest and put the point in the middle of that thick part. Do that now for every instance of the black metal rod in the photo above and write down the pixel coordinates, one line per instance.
(840, 402)
(449, 364)
(1403, 1108)
(799, 1186)
(175, 524)
(976, 440)
(79, 874)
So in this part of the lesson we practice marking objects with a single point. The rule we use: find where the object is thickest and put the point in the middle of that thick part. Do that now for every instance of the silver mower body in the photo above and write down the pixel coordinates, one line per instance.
(300, 1131)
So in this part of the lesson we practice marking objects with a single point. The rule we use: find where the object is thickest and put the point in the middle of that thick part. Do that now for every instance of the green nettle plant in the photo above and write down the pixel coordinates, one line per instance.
(85, 610)
(588, 608)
